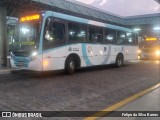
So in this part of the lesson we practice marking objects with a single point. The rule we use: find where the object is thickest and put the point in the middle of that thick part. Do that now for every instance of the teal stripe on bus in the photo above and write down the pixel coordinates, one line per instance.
(85, 56)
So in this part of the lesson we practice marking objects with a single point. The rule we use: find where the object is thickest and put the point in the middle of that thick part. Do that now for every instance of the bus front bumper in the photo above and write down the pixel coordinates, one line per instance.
(35, 65)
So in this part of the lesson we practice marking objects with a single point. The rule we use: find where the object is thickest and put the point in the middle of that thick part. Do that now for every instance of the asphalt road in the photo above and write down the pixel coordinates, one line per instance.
(90, 89)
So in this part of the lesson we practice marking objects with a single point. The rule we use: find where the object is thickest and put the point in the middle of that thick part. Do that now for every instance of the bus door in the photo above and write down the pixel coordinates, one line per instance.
(121, 44)
(54, 38)
(132, 47)
(96, 49)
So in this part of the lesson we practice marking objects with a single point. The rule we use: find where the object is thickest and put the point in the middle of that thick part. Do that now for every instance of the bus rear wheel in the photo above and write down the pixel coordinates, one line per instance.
(119, 60)
(70, 66)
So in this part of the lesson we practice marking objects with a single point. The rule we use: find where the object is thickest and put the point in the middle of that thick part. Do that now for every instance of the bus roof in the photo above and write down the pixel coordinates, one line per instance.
(85, 21)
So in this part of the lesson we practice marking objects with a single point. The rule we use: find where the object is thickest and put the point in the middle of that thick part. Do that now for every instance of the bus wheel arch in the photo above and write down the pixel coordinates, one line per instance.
(119, 60)
(72, 62)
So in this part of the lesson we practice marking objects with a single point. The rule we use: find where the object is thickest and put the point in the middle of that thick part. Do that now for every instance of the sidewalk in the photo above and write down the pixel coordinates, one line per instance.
(5, 70)
(148, 102)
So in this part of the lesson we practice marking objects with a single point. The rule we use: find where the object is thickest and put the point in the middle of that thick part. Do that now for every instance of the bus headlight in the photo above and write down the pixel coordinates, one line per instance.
(157, 53)
(139, 57)
(139, 51)
(34, 54)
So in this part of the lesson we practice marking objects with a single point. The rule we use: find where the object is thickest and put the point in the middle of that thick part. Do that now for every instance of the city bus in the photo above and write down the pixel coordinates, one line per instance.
(46, 41)
(150, 48)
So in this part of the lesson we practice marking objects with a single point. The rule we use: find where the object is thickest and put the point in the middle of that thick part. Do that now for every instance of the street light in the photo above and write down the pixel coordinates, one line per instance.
(136, 29)
(156, 28)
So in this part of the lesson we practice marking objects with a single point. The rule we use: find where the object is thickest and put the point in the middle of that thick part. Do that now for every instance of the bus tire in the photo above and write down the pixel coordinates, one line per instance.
(119, 60)
(70, 65)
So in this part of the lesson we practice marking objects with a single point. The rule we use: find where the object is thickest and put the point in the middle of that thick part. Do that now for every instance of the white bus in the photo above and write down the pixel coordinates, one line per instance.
(49, 40)
(150, 48)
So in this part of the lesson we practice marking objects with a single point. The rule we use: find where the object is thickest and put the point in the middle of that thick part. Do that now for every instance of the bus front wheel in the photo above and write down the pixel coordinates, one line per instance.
(70, 65)
(119, 60)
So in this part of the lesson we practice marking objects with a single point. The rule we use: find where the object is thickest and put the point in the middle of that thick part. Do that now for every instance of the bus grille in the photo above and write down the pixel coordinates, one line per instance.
(21, 62)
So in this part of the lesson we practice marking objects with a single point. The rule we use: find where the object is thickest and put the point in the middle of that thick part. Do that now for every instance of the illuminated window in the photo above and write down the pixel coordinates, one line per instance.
(130, 38)
(110, 36)
(77, 32)
(121, 37)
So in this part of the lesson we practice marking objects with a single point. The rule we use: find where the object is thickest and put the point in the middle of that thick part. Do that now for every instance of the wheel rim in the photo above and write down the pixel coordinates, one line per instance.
(72, 65)
(119, 62)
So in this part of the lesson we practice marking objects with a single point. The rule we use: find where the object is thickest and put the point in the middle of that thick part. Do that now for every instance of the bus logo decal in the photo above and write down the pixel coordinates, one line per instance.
(70, 49)
(107, 56)
(85, 56)
(89, 49)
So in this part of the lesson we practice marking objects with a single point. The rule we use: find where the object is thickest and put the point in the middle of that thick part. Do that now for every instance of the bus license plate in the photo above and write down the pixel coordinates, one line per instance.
(20, 64)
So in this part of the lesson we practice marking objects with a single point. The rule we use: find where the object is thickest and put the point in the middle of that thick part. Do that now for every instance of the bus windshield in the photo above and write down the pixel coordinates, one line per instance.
(26, 37)
(150, 44)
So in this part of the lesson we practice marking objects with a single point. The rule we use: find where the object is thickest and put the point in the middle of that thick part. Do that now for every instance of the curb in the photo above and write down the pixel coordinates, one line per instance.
(121, 103)
(5, 71)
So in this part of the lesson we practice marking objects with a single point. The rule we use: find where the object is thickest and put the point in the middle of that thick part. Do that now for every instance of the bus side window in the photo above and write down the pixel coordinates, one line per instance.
(121, 38)
(130, 39)
(77, 32)
(95, 34)
(47, 29)
(110, 36)
(58, 31)
(54, 34)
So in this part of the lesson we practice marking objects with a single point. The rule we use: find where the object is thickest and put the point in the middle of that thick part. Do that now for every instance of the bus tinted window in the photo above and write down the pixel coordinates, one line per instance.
(95, 34)
(121, 38)
(110, 36)
(54, 34)
(130, 38)
(77, 32)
